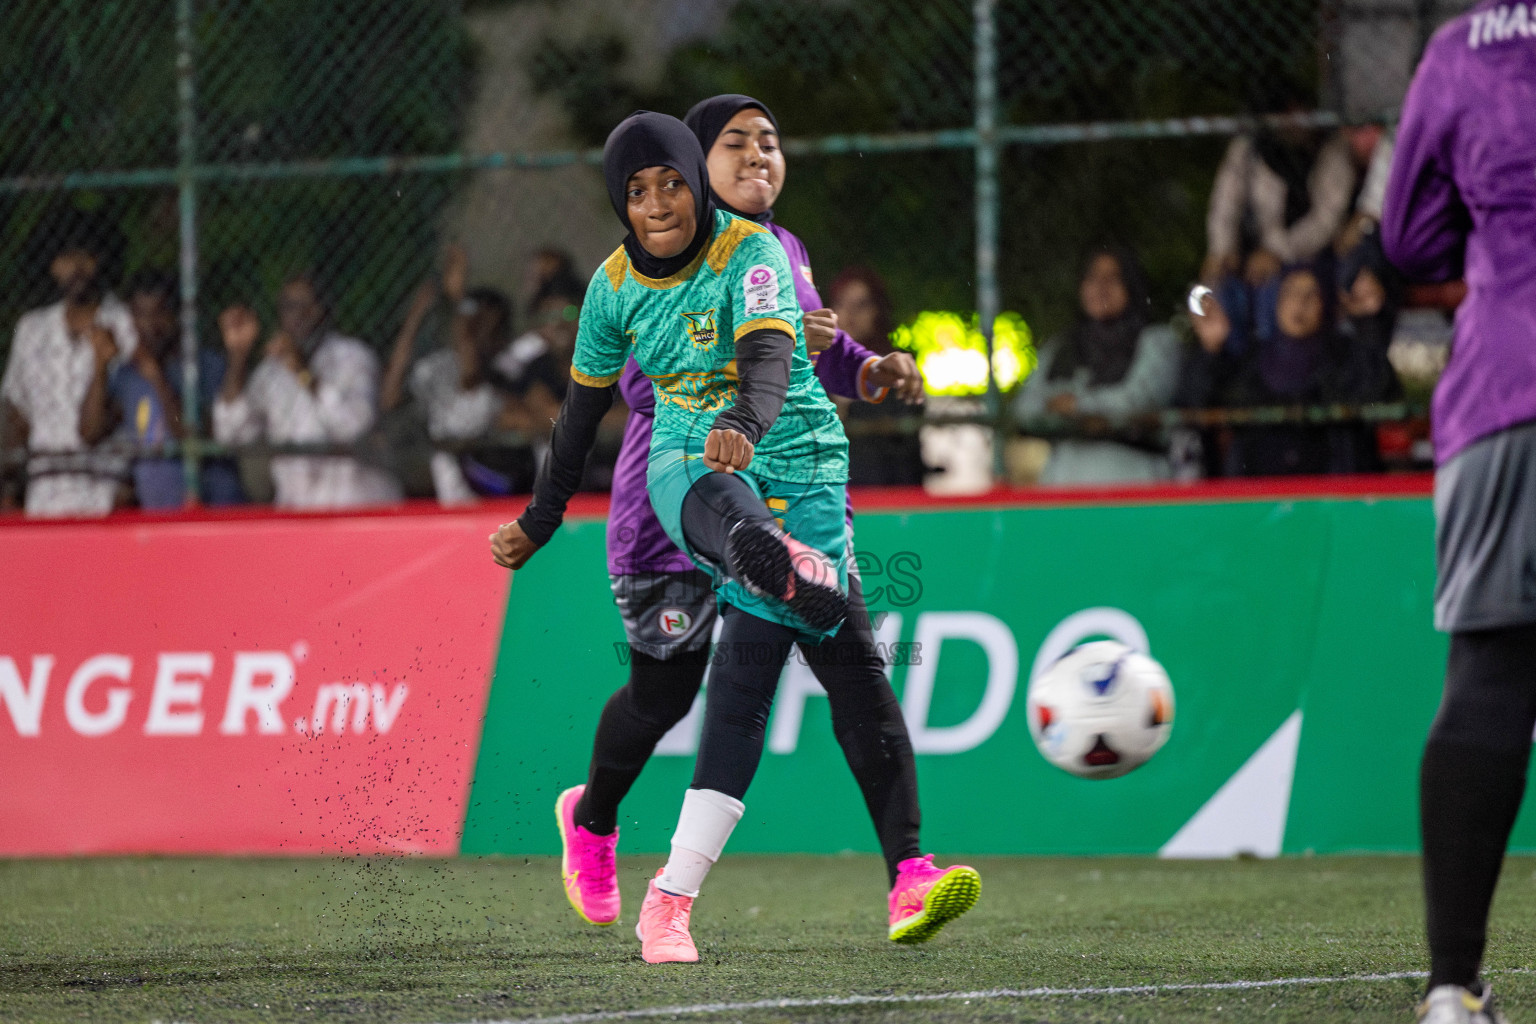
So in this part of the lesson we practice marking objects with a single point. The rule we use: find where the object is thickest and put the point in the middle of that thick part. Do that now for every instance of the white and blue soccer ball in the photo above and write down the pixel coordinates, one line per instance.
(1100, 711)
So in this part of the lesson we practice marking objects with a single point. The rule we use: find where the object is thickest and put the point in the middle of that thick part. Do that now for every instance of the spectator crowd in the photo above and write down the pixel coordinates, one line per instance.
(1298, 309)
(93, 386)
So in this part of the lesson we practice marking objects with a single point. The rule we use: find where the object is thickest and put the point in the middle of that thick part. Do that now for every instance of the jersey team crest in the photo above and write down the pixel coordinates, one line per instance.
(701, 328)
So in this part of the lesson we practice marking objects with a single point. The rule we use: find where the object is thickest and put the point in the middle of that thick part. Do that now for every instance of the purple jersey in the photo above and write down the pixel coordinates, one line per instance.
(636, 541)
(1462, 199)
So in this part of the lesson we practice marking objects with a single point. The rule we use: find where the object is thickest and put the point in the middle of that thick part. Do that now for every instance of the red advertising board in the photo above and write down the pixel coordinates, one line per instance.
(269, 685)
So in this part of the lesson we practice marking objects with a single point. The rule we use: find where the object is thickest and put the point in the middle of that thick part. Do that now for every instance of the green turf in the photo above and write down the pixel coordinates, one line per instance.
(416, 940)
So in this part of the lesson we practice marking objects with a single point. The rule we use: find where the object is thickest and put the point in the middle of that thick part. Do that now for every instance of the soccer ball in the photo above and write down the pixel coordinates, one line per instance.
(1101, 710)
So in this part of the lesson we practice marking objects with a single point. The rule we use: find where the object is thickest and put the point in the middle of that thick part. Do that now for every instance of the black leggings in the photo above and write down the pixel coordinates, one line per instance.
(1490, 691)
(869, 726)
(1471, 783)
(658, 696)
(866, 716)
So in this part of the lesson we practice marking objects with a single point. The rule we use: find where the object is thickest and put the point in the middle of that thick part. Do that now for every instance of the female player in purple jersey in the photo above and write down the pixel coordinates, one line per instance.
(669, 610)
(1462, 201)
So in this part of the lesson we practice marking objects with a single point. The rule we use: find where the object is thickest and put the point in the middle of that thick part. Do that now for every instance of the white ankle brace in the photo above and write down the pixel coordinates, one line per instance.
(703, 828)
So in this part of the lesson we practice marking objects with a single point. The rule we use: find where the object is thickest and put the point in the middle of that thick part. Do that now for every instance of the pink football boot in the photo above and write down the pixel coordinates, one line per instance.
(926, 898)
(586, 864)
(663, 927)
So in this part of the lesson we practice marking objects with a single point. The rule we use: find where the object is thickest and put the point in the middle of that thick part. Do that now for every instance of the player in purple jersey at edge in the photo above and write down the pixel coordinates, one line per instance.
(1462, 202)
(669, 611)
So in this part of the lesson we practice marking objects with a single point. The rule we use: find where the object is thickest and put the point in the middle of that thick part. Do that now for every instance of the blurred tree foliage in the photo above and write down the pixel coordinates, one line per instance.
(827, 68)
(279, 80)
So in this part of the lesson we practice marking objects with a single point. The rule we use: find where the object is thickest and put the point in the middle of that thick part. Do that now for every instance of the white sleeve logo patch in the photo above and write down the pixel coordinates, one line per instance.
(761, 289)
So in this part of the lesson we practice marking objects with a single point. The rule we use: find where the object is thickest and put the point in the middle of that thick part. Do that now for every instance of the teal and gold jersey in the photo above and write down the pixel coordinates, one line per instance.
(682, 331)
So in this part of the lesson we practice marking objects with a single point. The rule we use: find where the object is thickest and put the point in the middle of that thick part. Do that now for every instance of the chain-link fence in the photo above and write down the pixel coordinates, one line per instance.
(967, 150)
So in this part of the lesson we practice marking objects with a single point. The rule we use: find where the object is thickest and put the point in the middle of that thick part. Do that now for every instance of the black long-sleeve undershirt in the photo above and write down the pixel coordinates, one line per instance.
(762, 383)
(574, 435)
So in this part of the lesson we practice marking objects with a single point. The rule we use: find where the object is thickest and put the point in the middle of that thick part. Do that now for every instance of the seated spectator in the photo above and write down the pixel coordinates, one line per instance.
(313, 386)
(452, 385)
(863, 306)
(1306, 361)
(1280, 197)
(54, 356)
(536, 368)
(141, 397)
(1112, 365)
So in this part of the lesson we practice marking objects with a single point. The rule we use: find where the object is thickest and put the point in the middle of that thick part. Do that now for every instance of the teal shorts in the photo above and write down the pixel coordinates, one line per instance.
(813, 514)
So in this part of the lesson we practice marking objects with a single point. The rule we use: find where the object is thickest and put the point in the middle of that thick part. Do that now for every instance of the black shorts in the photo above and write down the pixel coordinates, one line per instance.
(665, 613)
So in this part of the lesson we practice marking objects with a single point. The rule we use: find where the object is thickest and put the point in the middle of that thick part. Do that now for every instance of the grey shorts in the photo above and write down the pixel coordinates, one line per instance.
(665, 613)
(1485, 534)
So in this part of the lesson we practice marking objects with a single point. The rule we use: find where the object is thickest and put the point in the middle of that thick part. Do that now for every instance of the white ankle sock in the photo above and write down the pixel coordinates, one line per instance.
(703, 827)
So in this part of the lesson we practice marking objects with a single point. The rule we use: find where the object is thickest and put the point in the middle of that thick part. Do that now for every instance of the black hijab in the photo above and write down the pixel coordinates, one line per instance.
(1292, 368)
(1106, 347)
(1297, 369)
(708, 118)
(646, 139)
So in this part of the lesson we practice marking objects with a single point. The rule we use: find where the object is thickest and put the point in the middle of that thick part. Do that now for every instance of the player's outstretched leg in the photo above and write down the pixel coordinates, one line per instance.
(770, 561)
(587, 864)
(926, 898)
(728, 523)
(1470, 786)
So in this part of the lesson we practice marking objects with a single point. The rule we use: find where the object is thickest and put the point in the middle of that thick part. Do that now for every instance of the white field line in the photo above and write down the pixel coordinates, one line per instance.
(708, 1009)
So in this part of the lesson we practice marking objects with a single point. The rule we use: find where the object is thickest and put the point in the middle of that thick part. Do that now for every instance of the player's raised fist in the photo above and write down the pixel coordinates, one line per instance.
(510, 546)
(726, 451)
(820, 329)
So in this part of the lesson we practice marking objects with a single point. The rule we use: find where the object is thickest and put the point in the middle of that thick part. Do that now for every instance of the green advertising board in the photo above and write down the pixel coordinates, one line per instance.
(1297, 635)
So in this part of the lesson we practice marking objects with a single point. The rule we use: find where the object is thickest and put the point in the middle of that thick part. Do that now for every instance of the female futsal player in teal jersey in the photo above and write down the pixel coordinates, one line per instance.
(705, 303)
(669, 616)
